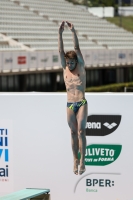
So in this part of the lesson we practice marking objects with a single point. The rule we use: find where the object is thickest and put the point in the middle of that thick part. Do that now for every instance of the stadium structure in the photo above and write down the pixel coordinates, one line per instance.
(29, 58)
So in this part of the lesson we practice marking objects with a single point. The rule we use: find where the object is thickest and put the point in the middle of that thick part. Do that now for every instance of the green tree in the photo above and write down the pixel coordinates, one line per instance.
(101, 2)
(93, 3)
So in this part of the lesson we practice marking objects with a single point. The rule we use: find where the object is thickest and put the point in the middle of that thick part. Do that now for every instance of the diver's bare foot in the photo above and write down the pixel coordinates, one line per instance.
(76, 163)
(82, 168)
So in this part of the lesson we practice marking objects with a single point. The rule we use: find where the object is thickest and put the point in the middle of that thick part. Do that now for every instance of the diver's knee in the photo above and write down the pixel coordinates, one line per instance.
(81, 133)
(73, 131)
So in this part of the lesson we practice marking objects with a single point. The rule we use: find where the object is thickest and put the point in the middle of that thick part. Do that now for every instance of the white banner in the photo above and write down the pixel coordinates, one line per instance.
(101, 57)
(42, 155)
(56, 59)
(125, 56)
(88, 57)
(23, 60)
(107, 58)
(6, 156)
(32, 60)
(16, 64)
(102, 11)
(41, 59)
(112, 57)
(7, 61)
(121, 56)
(95, 57)
(126, 11)
(51, 59)
(129, 56)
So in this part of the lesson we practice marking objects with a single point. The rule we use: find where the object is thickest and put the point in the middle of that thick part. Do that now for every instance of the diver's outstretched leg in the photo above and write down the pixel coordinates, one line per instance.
(72, 122)
(81, 120)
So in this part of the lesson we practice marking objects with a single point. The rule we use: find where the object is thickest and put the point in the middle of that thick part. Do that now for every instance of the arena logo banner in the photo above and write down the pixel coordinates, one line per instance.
(6, 168)
(101, 154)
(101, 125)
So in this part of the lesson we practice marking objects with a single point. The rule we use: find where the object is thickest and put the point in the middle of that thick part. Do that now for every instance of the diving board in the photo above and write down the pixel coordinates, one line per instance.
(28, 194)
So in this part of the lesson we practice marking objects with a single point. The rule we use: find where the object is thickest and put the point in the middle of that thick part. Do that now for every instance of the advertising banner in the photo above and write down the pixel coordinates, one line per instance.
(32, 60)
(125, 56)
(101, 57)
(56, 59)
(17, 60)
(107, 58)
(23, 60)
(7, 61)
(95, 57)
(42, 153)
(41, 59)
(6, 156)
(129, 56)
(121, 56)
(112, 57)
(50, 59)
(87, 55)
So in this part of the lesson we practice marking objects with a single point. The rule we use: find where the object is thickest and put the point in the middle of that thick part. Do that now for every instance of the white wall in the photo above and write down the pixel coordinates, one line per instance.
(42, 156)
(102, 11)
(126, 11)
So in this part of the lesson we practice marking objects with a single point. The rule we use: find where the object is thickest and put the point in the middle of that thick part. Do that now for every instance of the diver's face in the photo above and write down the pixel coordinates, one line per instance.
(71, 64)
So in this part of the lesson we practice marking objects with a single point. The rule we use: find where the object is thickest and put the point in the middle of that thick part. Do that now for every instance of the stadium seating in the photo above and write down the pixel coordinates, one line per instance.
(5, 45)
(35, 23)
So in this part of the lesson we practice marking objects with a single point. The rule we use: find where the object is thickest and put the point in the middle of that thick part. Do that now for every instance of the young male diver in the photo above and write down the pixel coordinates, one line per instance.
(77, 108)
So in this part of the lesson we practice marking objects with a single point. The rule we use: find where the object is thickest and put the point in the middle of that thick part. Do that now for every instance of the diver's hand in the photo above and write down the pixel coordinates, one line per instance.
(71, 26)
(61, 28)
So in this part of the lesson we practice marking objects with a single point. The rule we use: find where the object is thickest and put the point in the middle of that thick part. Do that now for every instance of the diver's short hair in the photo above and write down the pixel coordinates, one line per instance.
(71, 55)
